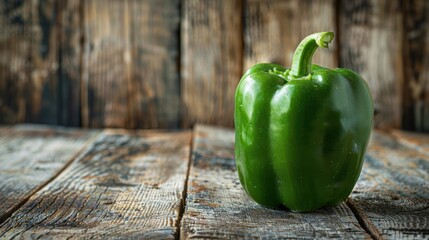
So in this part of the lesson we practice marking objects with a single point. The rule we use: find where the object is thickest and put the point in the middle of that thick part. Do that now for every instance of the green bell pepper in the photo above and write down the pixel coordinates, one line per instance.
(301, 133)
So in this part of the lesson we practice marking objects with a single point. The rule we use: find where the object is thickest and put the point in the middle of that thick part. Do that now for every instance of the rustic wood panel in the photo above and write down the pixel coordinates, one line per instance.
(42, 89)
(211, 60)
(416, 56)
(371, 44)
(130, 64)
(106, 64)
(155, 86)
(15, 19)
(217, 206)
(30, 156)
(70, 13)
(392, 193)
(127, 185)
(31, 75)
(273, 30)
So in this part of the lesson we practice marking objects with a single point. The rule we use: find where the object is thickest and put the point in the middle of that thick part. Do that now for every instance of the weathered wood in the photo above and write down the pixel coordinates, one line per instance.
(371, 44)
(107, 60)
(127, 185)
(155, 86)
(218, 207)
(130, 70)
(69, 56)
(273, 30)
(211, 60)
(30, 156)
(42, 89)
(393, 192)
(417, 141)
(416, 64)
(31, 78)
(14, 59)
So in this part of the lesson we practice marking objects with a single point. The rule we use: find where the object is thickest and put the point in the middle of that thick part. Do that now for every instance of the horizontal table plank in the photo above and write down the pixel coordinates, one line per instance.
(30, 156)
(418, 141)
(127, 184)
(392, 193)
(218, 207)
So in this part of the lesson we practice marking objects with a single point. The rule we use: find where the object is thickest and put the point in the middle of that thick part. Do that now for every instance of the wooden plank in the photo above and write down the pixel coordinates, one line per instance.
(30, 156)
(127, 185)
(218, 207)
(130, 64)
(392, 193)
(4, 131)
(371, 44)
(31, 83)
(69, 56)
(211, 60)
(417, 141)
(416, 61)
(106, 64)
(155, 86)
(273, 30)
(42, 89)
(14, 59)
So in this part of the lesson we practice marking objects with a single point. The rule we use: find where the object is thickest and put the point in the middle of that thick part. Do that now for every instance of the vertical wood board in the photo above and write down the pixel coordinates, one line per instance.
(155, 86)
(15, 21)
(416, 66)
(106, 64)
(211, 60)
(130, 64)
(273, 30)
(371, 45)
(70, 13)
(42, 89)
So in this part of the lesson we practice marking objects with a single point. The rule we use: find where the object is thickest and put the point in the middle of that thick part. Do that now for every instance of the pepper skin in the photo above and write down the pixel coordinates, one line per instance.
(301, 133)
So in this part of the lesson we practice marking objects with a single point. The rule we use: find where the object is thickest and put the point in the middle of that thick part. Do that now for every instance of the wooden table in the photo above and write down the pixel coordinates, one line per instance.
(62, 183)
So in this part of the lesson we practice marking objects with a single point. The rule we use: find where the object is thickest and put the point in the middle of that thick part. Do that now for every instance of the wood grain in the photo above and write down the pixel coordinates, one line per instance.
(70, 14)
(211, 60)
(393, 190)
(371, 44)
(130, 69)
(30, 156)
(42, 89)
(34, 84)
(273, 30)
(416, 65)
(417, 141)
(155, 86)
(106, 64)
(217, 206)
(15, 19)
(127, 185)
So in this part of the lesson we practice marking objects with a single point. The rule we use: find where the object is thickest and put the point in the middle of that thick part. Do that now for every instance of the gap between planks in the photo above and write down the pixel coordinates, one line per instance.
(206, 140)
(25, 199)
(185, 188)
(75, 157)
(363, 220)
(67, 213)
(365, 223)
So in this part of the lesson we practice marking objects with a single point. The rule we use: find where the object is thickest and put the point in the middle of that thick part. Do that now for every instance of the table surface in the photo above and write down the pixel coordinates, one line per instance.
(60, 183)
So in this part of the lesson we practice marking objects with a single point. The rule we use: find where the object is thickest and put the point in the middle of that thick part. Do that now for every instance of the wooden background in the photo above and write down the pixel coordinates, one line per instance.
(173, 63)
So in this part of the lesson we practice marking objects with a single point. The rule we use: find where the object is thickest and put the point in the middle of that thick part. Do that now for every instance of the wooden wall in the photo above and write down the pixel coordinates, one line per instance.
(172, 63)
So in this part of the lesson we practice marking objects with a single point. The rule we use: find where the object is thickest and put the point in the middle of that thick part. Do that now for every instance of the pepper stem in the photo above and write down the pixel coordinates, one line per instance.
(301, 62)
